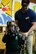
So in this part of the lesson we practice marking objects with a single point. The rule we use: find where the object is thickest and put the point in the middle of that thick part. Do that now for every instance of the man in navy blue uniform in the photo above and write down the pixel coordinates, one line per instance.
(25, 18)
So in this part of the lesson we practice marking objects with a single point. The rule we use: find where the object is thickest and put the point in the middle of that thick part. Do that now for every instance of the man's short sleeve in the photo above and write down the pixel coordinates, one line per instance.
(33, 18)
(16, 16)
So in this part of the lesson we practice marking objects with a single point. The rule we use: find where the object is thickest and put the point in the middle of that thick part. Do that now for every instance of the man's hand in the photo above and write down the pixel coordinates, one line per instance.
(26, 34)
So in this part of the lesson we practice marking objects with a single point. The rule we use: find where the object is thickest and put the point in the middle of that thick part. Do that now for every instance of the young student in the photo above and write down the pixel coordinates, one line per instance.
(11, 39)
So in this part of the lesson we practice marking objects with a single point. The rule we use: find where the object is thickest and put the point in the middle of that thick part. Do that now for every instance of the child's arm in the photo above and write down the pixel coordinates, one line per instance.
(4, 38)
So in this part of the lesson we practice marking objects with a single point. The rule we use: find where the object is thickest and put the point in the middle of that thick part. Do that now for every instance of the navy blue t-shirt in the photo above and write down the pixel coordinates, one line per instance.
(25, 19)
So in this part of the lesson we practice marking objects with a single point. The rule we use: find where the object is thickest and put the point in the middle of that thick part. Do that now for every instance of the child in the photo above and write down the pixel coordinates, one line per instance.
(11, 39)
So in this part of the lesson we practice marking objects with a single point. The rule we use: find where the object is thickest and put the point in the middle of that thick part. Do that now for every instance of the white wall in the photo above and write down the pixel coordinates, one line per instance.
(32, 6)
